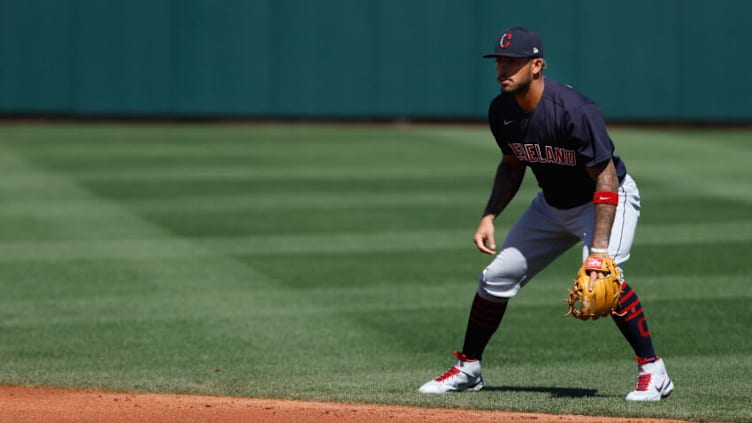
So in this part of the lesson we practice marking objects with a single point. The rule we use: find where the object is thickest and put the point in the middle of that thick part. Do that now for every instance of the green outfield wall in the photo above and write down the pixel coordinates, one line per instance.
(642, 60)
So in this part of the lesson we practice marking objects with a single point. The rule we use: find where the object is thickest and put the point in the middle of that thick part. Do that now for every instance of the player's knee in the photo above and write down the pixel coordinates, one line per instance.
(498, 288)
(503, 278)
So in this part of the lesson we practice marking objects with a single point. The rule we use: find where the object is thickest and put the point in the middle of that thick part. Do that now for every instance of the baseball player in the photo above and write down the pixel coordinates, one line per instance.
(586, 197)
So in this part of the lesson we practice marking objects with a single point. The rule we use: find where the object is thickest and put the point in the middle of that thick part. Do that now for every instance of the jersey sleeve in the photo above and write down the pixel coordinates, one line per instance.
(587, 129)
(494, 121)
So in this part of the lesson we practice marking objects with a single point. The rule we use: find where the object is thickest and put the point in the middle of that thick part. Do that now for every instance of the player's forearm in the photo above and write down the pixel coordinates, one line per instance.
(506, 184)
(606, 180)
(604, 220)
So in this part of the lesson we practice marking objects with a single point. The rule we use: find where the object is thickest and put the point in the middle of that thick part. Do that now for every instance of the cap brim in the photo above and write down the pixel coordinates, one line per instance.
(492, 55)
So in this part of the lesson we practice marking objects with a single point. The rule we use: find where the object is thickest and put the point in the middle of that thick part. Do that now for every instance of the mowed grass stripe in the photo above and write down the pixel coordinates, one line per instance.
(242, 172)
(51, 189)
(275, 174)
(111, 233)
(249, 202)
(692, 234)
(200, 146)
(357, 285)
(169, 247)
(246, 172)
(706, 163)
(165, 245)
(701, 185)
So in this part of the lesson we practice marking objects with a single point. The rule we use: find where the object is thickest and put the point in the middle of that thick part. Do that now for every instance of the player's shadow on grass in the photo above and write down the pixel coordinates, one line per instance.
(555, 392)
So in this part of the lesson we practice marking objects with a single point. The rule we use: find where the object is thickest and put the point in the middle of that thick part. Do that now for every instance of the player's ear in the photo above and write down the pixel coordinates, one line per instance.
(538, 65)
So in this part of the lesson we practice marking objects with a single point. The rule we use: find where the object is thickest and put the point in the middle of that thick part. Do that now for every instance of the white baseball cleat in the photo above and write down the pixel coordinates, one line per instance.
(653, 382)
(465, 375)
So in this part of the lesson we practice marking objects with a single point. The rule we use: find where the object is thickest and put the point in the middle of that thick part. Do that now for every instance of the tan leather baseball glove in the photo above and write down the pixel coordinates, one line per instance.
(604, 297)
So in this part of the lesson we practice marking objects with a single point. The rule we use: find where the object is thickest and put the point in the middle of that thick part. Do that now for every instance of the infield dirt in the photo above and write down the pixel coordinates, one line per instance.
(39, 404)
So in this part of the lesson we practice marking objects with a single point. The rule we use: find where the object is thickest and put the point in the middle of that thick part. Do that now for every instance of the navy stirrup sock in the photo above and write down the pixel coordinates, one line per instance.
(632, 323)
(485, 318)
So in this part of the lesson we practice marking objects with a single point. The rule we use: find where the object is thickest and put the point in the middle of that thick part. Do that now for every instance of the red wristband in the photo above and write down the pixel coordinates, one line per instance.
(606, 197)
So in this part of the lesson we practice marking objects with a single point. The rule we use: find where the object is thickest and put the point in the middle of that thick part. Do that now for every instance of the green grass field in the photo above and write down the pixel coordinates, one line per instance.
(335, 263)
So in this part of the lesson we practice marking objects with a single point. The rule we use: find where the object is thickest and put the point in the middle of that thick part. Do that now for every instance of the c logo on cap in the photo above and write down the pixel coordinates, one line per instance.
(505, 42)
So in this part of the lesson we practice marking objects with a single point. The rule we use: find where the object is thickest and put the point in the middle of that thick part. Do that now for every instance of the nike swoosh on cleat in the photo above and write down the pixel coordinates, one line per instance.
(660, 388)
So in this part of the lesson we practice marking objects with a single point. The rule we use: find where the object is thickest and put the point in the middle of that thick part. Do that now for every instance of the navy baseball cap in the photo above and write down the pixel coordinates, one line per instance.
(518, 42)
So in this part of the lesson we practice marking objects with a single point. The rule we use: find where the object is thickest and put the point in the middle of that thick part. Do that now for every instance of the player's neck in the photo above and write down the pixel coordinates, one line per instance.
(529, 100)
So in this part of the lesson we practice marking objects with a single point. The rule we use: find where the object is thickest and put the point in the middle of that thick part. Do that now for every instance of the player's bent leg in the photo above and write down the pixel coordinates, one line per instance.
(464, 375)
(498, 282)
(485, 317)
(653, 382)
(526, 250)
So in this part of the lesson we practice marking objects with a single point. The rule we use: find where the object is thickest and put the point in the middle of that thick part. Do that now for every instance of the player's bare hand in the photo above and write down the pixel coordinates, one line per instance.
(594, 274)
(484, 236)
(593, 277)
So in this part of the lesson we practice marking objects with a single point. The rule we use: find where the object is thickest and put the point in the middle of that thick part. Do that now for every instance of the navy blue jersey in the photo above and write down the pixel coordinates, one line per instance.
(558, 140)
